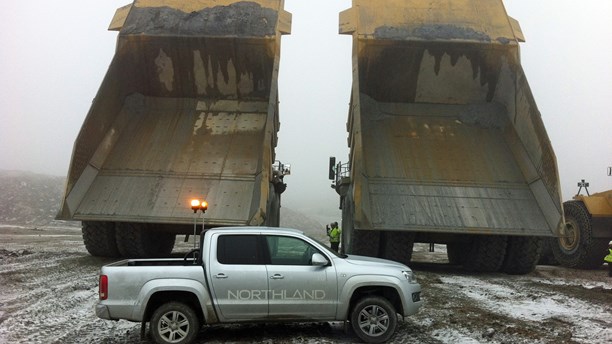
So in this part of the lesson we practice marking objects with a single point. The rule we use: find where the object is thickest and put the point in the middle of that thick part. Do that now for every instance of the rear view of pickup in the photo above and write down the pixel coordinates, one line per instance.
(258, 274)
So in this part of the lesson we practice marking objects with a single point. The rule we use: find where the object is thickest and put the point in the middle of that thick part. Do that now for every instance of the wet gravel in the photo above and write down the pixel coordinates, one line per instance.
(49, 288)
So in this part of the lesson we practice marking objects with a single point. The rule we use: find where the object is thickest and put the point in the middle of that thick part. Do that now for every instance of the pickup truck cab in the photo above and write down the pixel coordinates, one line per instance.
(258, 274)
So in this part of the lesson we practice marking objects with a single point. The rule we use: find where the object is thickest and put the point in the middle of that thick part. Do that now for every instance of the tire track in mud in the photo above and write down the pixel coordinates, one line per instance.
(47, 297)
(498, 308)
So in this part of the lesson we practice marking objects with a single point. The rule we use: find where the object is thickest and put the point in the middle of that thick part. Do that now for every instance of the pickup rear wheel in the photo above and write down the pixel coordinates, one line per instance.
(374, 319)
(174, 323)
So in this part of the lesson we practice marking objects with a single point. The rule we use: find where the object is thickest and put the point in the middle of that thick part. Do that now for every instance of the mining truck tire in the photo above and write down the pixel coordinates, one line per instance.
(522, 254)
(547, 257)
(485, 253)
(99, 238)
(455, 253)
(366, 242)
(398, 246)
(579, 249)
(135, 240)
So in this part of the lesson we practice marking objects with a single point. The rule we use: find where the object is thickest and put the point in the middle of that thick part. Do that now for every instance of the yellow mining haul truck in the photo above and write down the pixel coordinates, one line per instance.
(588, 230)
(446, 142)
(188, 109)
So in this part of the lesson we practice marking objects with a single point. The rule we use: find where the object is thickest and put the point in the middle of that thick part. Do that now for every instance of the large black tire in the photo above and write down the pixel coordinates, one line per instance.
(547, 257)
(522, 255)
(579, 249)
(137, 240)
(485, 253)
(366, 243)
(99, 238)
(174, 323)
(398, 246)
(455, 252)
(374, 319)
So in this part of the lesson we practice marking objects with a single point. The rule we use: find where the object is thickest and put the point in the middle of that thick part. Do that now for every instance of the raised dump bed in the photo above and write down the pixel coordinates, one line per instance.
(445, 138)
(188, 109)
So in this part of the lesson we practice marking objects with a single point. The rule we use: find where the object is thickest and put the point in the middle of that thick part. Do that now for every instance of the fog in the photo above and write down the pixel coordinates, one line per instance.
(55, 53)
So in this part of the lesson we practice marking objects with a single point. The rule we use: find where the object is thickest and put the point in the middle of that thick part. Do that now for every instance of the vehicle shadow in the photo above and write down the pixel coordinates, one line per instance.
(276, 333)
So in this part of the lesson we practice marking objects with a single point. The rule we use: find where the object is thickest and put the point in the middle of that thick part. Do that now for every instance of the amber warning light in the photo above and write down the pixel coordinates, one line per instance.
(197, 205)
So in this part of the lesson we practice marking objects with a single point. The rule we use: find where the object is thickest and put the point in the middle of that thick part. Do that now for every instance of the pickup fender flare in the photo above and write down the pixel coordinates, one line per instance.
(356, 282)
(175, 285)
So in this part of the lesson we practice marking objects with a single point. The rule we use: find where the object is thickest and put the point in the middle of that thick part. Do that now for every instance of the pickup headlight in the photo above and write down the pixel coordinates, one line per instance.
(410, 276)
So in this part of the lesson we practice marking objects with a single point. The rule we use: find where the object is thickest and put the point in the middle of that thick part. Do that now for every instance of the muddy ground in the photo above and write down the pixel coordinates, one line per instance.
(48, 287)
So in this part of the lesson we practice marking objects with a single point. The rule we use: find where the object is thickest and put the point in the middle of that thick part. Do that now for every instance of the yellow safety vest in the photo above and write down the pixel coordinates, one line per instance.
(608, 258)
(334, 235)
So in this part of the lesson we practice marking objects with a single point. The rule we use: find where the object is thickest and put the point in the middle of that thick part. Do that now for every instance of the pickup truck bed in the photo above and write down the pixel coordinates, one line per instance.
(155, 262)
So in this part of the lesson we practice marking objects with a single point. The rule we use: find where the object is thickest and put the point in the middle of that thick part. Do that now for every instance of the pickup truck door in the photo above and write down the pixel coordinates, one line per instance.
(238, 277)
(298, 289)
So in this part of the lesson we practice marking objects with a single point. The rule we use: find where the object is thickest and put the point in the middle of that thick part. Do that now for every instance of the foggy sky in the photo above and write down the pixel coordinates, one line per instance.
(54, 55)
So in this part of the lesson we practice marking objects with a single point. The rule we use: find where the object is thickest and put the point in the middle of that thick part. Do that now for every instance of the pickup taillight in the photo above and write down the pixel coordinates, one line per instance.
(103, 287)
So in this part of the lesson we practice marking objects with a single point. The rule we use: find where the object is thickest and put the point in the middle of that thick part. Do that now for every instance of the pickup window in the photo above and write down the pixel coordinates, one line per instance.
(289, 251)
(253, 249)
(239, 249)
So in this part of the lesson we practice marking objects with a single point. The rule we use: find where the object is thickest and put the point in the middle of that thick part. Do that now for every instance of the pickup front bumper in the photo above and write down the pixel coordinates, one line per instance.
(413, 300)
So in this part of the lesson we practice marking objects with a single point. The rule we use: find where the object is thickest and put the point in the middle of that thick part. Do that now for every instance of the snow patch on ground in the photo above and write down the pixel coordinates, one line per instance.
(589, 321)
(583, 283)
(452, 336)
(48, 295)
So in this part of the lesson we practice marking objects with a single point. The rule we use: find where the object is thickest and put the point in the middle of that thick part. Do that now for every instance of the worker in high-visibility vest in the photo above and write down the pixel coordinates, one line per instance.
(608, 259)
(334, 233)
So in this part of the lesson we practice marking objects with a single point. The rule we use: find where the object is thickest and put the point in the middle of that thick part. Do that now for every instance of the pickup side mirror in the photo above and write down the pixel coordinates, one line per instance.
(319, 260)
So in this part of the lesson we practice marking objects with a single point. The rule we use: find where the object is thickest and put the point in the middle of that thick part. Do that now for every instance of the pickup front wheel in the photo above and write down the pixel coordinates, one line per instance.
(175, 323)
(374, 319)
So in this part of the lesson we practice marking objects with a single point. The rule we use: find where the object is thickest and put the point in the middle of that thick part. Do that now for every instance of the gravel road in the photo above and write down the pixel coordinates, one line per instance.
(49, 287)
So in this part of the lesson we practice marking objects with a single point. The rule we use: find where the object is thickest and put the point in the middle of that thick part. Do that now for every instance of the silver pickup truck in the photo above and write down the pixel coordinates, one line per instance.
(258, 274)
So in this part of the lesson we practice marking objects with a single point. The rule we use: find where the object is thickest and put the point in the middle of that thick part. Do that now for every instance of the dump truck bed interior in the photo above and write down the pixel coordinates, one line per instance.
(188, 108)
(444, 132)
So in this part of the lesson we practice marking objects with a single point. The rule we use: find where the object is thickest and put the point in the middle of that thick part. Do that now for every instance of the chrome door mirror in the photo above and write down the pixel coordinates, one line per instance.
(319, 260)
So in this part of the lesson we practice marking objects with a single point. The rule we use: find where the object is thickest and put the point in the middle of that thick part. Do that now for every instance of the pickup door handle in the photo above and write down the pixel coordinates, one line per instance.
(221, 275)
(277, 276)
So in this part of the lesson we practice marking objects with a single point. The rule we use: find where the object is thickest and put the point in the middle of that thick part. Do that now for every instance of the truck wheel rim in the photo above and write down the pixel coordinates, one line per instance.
(173, 327)
(373, 320)
(571, 238)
